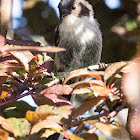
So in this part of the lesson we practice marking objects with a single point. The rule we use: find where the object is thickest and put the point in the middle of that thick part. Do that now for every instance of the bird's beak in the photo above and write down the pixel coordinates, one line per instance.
(64, 14)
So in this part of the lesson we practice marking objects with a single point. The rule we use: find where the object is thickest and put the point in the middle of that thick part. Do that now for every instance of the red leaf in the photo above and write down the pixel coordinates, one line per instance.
(58, 100)
(22, 42)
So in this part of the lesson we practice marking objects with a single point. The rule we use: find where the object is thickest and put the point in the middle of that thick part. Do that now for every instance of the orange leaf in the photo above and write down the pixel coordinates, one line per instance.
(100, 91)
(80, 73)
(4, 94)
(34, 117)
(3, 135)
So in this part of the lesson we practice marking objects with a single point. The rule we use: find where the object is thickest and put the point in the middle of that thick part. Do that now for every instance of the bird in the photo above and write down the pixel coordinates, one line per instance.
(79, 33)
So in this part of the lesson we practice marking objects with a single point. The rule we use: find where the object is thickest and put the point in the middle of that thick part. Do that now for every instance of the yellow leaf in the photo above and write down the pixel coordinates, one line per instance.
(74, 137)
(34, 117)
(3, 135)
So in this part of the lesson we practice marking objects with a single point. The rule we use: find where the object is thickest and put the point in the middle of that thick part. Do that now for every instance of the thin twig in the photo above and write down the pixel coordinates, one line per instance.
(16, 98)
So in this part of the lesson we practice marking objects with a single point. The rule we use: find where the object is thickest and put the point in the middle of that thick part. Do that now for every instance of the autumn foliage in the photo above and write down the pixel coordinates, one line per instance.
(24, 73)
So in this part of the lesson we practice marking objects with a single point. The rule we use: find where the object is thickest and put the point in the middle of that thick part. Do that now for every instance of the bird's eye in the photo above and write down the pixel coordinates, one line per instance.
(73, 7)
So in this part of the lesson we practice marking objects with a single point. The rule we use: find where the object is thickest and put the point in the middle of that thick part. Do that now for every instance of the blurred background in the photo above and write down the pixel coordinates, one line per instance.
(118, 19)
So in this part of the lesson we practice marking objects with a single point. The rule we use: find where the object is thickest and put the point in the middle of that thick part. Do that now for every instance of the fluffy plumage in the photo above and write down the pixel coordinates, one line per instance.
(79, 33)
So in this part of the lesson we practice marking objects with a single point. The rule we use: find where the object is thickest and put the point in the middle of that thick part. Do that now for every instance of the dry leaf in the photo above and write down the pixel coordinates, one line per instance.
(34, 117)
(110, 130)
(87, 83)
(80, 73)
(86, 105)
(58, 99)
(100, 91)
(46, 124)
(3, 135)
(113, 69)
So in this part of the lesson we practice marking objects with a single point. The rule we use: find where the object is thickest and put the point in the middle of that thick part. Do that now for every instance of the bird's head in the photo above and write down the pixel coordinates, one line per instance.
(77, 8)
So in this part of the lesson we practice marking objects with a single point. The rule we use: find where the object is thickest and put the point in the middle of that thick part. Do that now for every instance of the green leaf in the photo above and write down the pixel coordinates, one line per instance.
(131, 25)
(21, 72)
(45, 80)
(32, 64)
(17, 109)
(21, 126)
